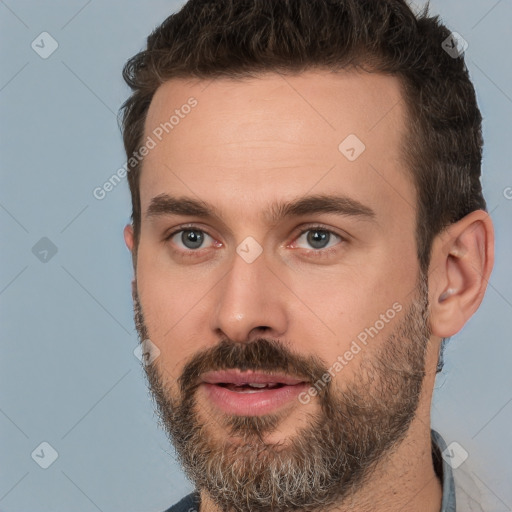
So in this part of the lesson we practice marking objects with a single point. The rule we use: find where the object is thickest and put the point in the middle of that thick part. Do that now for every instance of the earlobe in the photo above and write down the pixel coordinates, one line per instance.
(463, 256)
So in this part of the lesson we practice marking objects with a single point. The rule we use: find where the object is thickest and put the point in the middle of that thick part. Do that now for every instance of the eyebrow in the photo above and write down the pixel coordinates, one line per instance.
(165, 204)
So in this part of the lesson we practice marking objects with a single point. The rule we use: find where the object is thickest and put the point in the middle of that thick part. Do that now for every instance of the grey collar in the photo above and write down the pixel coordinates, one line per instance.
(444, 472)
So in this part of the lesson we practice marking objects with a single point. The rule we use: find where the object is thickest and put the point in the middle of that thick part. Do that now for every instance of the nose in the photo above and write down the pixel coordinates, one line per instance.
(250, 302)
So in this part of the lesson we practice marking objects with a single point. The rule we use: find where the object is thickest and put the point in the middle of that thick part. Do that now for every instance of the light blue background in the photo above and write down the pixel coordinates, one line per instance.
(68, 374)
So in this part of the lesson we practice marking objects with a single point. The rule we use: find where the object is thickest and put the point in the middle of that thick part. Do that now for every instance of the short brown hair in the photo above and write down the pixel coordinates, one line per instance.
(243, 38)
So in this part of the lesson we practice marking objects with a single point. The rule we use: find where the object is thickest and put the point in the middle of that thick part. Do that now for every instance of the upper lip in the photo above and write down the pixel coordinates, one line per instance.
(238, 378)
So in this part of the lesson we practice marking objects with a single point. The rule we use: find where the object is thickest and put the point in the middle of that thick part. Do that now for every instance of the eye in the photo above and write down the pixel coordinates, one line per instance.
(318, 237)
(191, 238)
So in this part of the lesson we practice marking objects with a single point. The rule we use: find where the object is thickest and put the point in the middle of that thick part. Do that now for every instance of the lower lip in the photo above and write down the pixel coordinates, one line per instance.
(254, 403)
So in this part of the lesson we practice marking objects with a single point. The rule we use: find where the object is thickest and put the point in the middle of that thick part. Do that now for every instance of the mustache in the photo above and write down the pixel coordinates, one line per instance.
(261, 354)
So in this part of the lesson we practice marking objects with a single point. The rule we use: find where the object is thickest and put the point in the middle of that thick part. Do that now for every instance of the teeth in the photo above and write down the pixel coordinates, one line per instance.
(257, 386)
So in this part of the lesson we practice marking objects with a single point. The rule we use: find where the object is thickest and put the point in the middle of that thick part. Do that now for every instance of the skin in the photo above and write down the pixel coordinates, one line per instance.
(248, 143)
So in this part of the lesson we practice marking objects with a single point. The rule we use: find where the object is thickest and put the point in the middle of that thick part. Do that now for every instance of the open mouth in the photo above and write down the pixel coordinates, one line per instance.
(250, 387)
(251, 393)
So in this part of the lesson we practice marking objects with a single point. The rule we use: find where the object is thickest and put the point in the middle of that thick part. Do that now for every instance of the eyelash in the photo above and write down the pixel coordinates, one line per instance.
(318, 252)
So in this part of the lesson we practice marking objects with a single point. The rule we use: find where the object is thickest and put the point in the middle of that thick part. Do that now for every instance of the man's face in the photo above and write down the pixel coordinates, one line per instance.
(298, 293)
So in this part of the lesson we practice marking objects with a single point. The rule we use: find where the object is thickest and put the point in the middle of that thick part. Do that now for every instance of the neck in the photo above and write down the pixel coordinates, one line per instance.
(404, 480)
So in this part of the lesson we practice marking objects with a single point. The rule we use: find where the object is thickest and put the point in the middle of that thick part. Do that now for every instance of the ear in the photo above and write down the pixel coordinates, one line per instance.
(128, 236)
(461, 264)
(129, 240)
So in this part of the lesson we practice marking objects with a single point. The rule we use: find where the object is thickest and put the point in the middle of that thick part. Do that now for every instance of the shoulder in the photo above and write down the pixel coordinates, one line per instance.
(189, 503)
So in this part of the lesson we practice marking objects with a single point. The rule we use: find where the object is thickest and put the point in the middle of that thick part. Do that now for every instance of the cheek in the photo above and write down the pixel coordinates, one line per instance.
(170, 312)
(350, 313)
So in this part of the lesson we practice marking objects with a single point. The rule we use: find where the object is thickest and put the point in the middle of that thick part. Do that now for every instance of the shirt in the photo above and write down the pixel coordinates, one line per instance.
(443, 470)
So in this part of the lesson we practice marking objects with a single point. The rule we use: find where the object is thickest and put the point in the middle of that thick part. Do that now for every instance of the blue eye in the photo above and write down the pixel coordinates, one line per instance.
(190, 238)
(318, 238)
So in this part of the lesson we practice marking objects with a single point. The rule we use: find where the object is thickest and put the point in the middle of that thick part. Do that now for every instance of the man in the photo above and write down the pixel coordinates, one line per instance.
(308, 228)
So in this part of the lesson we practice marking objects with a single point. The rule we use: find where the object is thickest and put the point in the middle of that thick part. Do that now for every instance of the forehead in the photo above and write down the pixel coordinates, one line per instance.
(244, 143)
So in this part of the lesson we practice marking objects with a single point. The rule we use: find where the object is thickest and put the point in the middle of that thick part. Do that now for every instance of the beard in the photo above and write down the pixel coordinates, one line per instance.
(323, 464)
